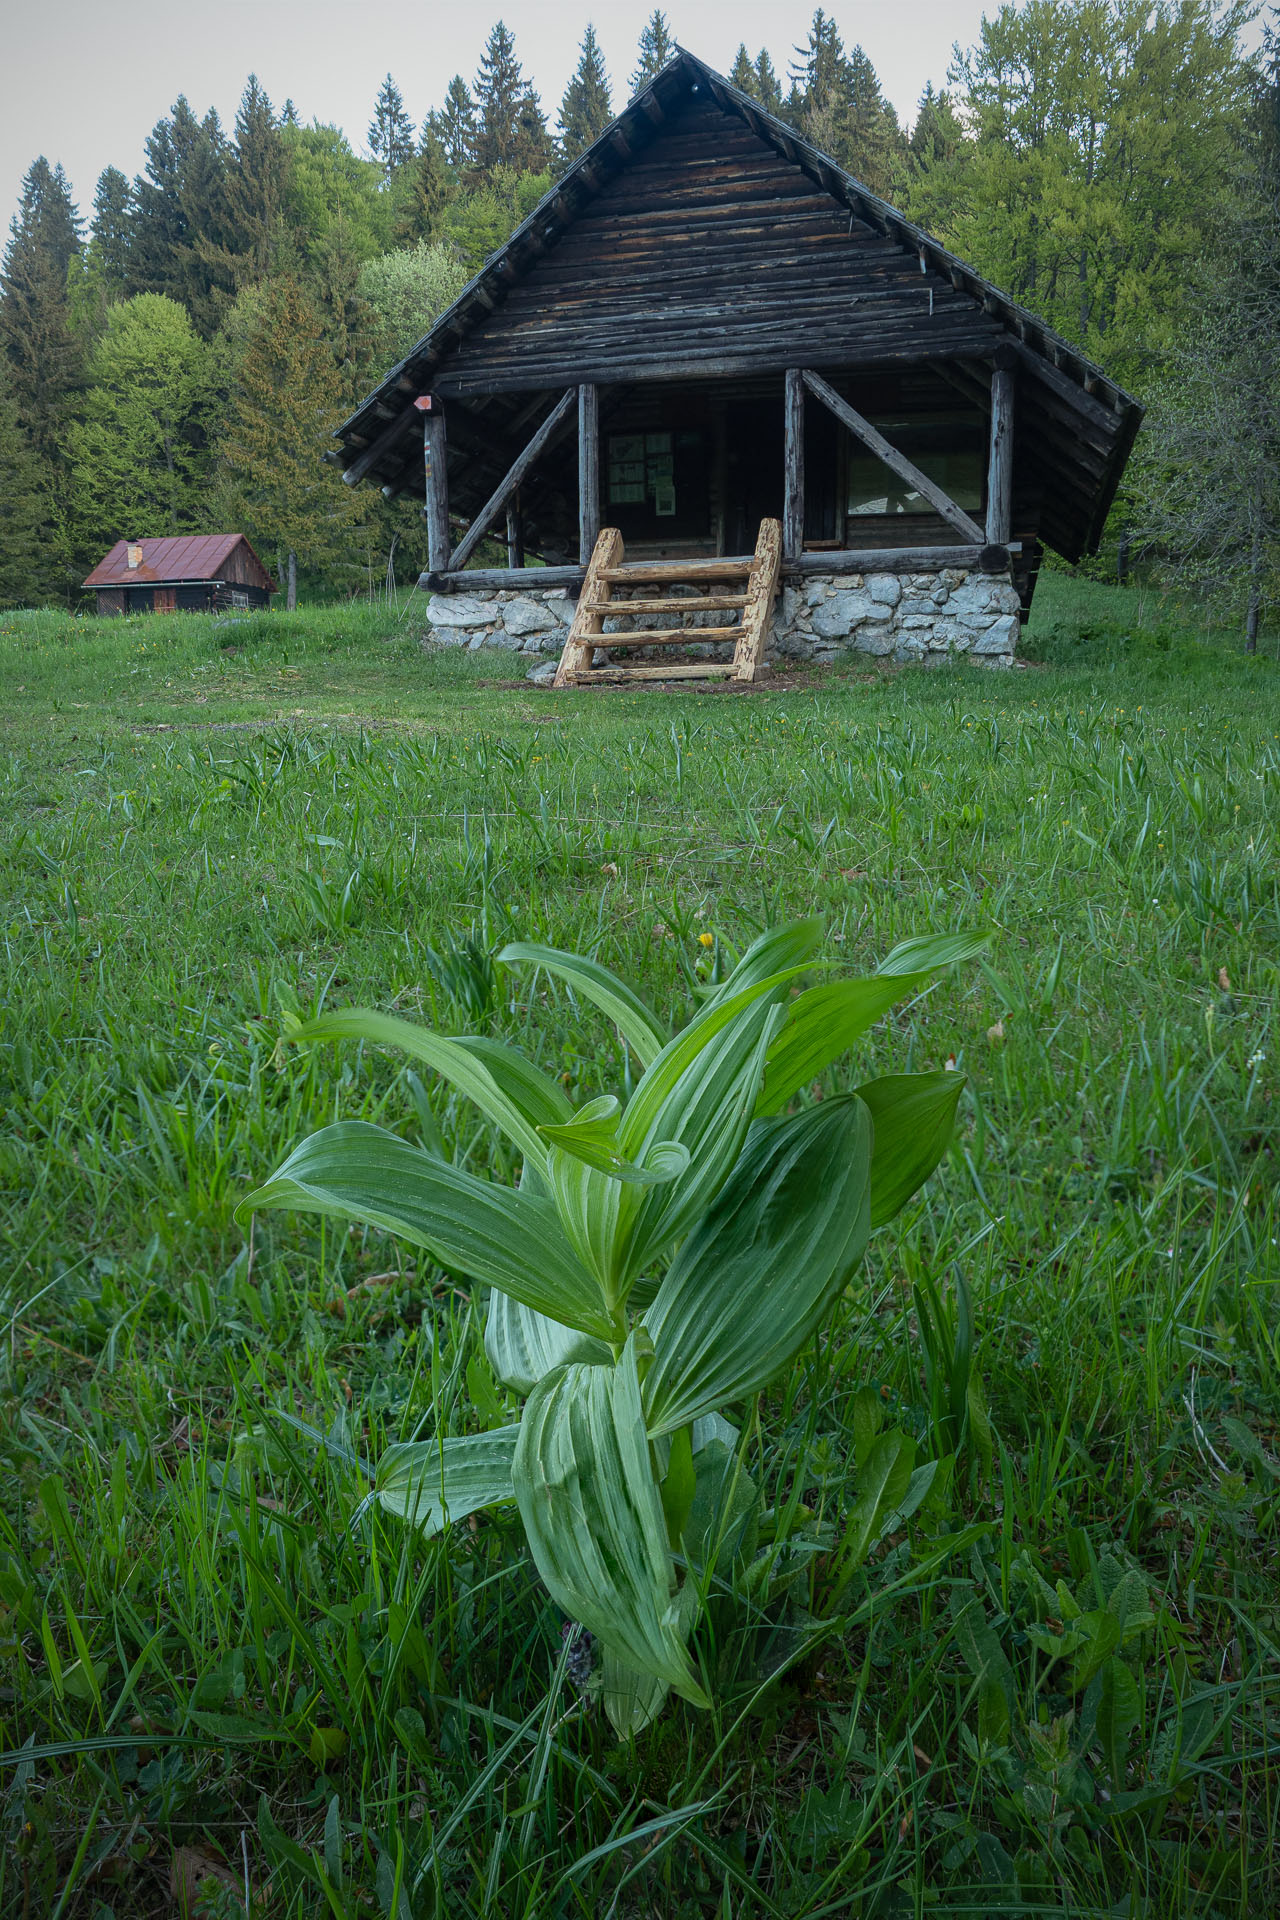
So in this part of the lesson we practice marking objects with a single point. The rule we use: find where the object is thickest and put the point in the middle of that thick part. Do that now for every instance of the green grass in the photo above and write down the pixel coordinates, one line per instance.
(207, 1641)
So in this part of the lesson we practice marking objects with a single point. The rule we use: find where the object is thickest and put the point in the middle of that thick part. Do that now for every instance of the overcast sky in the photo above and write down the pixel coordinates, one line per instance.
(86, 81)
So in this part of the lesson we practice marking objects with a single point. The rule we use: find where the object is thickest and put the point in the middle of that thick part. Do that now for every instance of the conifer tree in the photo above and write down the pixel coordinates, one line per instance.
(44, 358)
(26, 573)
(767, 90)
(424, 194)
(390, 131)
(203, 288)
(256, 184)
(511, 130)
(655, 48)
(160, 227)
(454, 125)
(586, 109)
(937, 133)
(742, 73)
(112, 231)
(284, 401)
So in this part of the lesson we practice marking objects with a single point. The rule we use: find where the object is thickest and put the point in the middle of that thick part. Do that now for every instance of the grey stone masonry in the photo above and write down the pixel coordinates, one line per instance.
(927, 617)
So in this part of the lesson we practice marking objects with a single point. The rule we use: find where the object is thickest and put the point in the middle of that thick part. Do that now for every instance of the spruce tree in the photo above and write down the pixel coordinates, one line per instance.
(254, 238)
(160, 229)
(454, 126)
(655, 48)
(26, 574)
(390, 131)
(203, 287)
(742, 73)
(112, 231)
(937, 133)
(511, 130)
(43, 356)
(767, 90)
(423, 197)
(586, 109)
(285, 399)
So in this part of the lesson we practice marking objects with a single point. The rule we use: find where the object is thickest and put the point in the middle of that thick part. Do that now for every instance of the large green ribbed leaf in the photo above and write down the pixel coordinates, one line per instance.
(752, 1282)
(821, 1025)
(542, 1100)
(927, 952)
(605, 990)
(524, 1346)
(500, 1235)
(779, 951)
(429, 1482)
(593, 1517)
(463, 1065)
(915, 1116)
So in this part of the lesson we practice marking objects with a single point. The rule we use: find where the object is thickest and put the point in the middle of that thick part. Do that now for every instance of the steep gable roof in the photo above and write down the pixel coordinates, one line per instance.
(701, 234)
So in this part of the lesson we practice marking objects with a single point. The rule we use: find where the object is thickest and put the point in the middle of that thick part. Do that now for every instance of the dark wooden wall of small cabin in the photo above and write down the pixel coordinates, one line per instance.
(110, 600)
(708, 247)
(242, 569)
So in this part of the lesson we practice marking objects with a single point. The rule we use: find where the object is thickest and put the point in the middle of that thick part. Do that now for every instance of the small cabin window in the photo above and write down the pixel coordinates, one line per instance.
(947, 447)
(238, 597)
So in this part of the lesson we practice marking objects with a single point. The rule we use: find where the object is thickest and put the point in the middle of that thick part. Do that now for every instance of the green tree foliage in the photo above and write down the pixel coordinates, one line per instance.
(1101, 141)
(587, 108)
(479, 221)
(1206, 483)
(44, 358)
(257, 183)
(837, 104)
(285, 398)
(511, 130)
(112, 231)
(138, 454)
(161, 227)
(328, 186)
(406, 291)
(656, 46)
(26, 573)
(424, 189)
(454, 126)
(390, 131)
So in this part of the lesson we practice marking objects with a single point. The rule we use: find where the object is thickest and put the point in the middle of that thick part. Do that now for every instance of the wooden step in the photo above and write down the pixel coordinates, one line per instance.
(669, 637)
(695, 670)
(706, 603)
(667, 573)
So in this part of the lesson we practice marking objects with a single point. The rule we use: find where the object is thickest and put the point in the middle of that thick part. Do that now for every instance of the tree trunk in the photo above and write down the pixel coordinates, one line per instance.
(292, 601)
(1122, 560)
(1255, 595)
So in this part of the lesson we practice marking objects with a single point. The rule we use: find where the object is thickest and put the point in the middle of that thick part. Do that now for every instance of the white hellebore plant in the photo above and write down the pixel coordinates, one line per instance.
(657, 1263)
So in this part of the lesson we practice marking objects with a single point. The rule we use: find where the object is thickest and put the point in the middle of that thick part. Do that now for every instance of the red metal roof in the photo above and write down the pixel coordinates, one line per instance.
(189, 556)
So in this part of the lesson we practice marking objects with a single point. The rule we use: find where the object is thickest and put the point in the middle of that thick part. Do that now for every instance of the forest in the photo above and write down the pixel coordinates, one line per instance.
(178, 357)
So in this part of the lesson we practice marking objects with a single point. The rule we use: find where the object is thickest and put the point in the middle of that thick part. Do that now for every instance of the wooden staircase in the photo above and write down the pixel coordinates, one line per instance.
(607, 576)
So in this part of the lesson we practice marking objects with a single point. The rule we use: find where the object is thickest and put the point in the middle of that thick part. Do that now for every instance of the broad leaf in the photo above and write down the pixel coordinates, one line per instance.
(784, 950)
(605, 990)
(914, 1115)
(459, 1063)
(592, 1136)
(504, 1237)
(927, 952)
(821, 1025)
(722, 1526)
(594, 1519)
(752, 1282)
(523, 1346)
(883, 1488)
(542, 1100)
(632, 1700)
(431, 1482)
(700, 1093)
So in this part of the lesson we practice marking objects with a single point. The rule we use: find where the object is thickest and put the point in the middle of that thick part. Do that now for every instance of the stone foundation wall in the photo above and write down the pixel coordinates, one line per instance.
(903, 617)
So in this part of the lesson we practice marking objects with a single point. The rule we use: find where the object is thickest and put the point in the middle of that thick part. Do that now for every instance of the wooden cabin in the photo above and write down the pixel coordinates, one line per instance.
(707, 324)
(183, 573)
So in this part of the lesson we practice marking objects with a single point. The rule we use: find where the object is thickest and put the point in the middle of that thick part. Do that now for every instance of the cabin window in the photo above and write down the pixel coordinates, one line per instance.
(238, 597)
(948, 447)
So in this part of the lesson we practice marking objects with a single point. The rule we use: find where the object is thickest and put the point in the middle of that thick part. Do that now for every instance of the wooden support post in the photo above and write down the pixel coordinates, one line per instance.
(896, 462)
(436, 476)
(1000, 460)
(793, 466)
(515, 533)
(511, 480)
(588, 471)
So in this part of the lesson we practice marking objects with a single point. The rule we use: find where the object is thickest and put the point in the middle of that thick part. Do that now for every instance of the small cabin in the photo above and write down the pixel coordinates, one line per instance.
(708, 325)
(181, 573)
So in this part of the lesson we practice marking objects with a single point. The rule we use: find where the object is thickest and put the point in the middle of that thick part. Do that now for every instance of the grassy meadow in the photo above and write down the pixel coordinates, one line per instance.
(223, 1676)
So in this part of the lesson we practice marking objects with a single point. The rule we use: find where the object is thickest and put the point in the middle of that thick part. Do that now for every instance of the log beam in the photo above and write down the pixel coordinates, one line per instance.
(898, 463)
(588, 471)
(511, 480)
(1000, 459)
(435, 473)
(793, 465)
